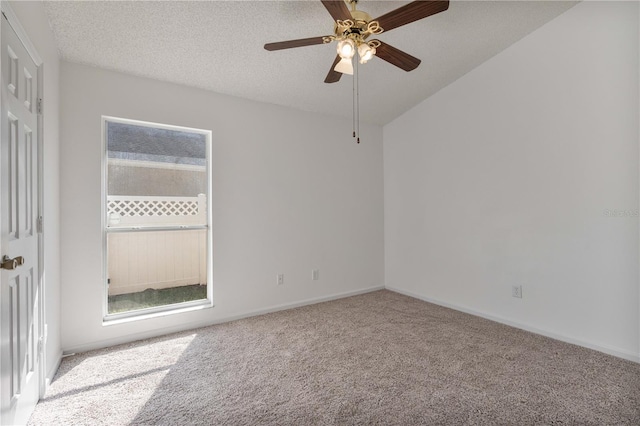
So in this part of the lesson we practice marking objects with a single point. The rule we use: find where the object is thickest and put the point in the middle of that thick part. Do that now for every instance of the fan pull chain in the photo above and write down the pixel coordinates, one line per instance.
(353, 98)
(356, 102)
(358, 99)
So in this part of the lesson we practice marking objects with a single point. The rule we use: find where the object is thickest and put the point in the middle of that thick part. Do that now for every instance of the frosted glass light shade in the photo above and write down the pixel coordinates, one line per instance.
(365, 52)
(346, 48)
(344, 66)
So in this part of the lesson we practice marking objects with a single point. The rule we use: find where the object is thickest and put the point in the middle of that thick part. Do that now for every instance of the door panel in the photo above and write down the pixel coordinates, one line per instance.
(20, 291)
(12, 177)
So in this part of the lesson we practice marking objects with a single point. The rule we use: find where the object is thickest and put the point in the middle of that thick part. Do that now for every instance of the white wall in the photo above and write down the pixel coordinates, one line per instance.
(33, 19)
(504, 178)
(292, 192)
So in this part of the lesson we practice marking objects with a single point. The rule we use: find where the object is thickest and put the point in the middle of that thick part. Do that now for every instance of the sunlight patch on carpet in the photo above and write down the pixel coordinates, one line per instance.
(132, 374)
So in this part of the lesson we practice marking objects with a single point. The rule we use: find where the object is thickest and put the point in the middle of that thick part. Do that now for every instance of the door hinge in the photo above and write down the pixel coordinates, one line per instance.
(40, 225)
(39, 105)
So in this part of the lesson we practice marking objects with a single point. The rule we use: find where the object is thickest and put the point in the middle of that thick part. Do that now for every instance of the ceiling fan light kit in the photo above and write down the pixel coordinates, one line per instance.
(353, 27)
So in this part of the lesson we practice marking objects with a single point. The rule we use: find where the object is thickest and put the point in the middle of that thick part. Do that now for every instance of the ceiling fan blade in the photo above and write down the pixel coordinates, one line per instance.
(411, 12)
(337, 9)
(397, 57)
(333, 76)
(294, 43)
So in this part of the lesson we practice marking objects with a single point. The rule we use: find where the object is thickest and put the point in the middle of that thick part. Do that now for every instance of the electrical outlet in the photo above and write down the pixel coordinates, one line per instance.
(315, 274)
(280, 279)
(516, 291)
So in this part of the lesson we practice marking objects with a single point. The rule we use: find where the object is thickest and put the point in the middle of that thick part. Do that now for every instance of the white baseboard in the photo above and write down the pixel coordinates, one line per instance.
(52, 372)
(193, 325)
(601, 348)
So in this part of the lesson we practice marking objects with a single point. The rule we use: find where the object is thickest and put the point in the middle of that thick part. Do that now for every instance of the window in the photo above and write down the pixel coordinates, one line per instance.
(156, 217)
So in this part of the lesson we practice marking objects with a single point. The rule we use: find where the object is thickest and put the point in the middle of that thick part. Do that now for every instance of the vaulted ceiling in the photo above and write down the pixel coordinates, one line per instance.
(218, 46)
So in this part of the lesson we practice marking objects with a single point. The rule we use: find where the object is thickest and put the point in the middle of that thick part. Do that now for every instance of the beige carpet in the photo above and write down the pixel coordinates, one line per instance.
(379, 358)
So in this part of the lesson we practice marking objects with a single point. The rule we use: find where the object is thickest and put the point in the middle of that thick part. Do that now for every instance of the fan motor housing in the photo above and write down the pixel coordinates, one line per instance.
(359, 15)
(357, 25)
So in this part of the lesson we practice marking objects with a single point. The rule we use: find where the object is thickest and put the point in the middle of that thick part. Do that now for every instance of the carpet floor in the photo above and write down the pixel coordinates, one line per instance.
(378, 358)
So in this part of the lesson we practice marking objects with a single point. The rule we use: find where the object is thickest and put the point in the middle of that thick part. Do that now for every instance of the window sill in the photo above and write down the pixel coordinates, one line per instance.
(144, 314)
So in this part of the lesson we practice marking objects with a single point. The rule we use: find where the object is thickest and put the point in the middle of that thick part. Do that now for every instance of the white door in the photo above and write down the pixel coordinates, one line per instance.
(20, 291)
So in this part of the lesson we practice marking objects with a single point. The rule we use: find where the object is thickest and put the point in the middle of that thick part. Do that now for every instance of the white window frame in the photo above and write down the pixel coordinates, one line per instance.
(166, 309)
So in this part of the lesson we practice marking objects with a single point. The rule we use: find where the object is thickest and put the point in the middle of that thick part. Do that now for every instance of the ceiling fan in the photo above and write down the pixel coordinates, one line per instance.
(353, 27)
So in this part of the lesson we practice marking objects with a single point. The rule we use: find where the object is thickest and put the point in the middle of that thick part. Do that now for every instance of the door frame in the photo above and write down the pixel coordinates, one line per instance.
(17, 27)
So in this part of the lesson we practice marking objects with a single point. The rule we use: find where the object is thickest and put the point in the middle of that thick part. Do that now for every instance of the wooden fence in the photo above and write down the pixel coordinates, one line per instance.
(156, 259)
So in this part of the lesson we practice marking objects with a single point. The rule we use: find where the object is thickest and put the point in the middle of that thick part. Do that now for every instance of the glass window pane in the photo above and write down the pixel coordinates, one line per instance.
(156, 178)
(155, 268)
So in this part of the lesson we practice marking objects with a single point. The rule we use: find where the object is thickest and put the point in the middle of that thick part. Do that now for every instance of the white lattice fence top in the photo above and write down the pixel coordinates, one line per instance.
(133, 208)
(123, 210)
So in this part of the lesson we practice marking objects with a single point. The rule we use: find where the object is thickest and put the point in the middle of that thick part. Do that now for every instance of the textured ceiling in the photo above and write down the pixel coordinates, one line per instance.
(218, 46)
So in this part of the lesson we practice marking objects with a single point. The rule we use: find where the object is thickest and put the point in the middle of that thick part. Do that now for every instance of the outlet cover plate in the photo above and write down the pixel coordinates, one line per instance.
(516, 291)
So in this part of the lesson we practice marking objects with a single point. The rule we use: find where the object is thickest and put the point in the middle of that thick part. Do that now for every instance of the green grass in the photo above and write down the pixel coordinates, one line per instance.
(151, 298)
